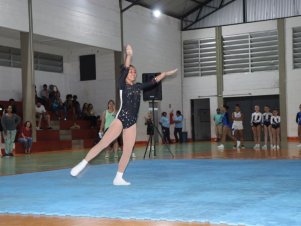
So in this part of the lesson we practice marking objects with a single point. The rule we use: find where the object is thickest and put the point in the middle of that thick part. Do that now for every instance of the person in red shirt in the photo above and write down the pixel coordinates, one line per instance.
(26, 136)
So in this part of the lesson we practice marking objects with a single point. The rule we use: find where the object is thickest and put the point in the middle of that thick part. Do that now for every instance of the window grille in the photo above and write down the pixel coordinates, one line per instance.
(199, 57)
(11, 57)
(251, 52)
(297, 47)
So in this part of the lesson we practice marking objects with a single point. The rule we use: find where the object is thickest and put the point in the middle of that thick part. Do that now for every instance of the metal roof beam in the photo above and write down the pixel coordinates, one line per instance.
(130, 6)
(208, 14)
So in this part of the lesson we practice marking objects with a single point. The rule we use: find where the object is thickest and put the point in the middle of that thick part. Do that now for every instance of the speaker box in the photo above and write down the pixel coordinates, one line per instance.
(87, 67)
(153, 93)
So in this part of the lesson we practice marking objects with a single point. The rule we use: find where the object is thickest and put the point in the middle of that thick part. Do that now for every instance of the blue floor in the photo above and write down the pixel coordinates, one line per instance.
(249, 192)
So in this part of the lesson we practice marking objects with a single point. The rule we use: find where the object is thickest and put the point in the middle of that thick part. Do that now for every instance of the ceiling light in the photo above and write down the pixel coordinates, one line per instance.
(156, 13)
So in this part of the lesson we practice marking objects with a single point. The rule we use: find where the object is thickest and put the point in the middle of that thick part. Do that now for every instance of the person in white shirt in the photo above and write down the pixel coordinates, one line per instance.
(41, 113)
(267, 128)
(237, 127)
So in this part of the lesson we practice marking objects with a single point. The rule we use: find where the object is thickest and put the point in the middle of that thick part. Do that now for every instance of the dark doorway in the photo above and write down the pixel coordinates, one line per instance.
(247, 107)
(200, 119)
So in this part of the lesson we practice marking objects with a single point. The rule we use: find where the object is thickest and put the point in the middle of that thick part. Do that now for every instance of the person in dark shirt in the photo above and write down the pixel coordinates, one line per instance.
(298, 121)
(126, 118)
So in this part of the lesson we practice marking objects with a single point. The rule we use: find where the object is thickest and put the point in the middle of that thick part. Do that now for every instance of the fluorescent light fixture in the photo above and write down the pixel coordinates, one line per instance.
(156, 13)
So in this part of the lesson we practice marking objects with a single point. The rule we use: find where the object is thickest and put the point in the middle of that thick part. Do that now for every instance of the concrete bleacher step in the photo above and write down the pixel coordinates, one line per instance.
(65, 135)
(77, 144)
(55, 125)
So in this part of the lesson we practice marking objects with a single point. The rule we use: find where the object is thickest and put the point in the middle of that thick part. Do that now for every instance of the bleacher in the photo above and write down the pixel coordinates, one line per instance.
(60, 137)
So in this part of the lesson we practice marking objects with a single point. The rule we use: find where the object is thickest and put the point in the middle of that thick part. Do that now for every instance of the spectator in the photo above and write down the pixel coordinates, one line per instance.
(84, 112)
(13, 103)
(275, 122)
(237, 127)
(57, 106)
(76, 107)
(178, 120)
(9, 122)
(267, 128)
(256, 120)
(26, 137)
(68, 106)
(164, 122)
(227, 127)
(298, 121)
(218, 121)
(91, 116)
(1, 129)
(107, 118)
(44, 94)
(41, 113)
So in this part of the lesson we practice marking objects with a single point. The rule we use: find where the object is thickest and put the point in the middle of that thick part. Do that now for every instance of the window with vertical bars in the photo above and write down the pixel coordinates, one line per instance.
(296, 47)
(11, 57)
(257, 51)
(199, 57)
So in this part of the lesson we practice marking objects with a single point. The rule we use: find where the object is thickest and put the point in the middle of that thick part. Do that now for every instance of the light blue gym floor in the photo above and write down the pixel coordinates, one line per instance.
(201, 184)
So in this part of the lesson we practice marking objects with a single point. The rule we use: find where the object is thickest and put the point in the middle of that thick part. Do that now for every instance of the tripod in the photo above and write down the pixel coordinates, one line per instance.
(151, 141)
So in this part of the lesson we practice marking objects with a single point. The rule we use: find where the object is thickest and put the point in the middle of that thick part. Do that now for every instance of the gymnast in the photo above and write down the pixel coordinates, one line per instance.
(125, 120)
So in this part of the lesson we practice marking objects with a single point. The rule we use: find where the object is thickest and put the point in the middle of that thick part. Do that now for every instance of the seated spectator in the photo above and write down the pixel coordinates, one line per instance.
(91, 116)
(68, 106)
(26, 137)
(41, 113)
(57, 106)
(44, 94)
(53, 90)
(84, 113)
(76, 106)
(38, 99)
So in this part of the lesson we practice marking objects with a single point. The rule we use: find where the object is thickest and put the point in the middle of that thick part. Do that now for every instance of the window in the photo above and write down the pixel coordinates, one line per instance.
(199, 57)
(251, 52)
(11, 57)
(297, 47)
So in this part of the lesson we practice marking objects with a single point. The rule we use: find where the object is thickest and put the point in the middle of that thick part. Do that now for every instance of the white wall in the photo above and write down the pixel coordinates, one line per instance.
(236, 84)
(14, 14)
(157, 47)
(91, 22)
(293, 78)
(98, 91)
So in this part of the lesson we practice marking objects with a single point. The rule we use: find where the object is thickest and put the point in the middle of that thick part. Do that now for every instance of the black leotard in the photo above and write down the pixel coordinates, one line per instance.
(130, 99)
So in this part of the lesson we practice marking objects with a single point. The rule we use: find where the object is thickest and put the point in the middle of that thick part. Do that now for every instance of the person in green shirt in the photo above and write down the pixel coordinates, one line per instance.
(218, 121)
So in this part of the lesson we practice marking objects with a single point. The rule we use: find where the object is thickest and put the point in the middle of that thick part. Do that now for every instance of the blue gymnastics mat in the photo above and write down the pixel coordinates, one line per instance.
(248, 192)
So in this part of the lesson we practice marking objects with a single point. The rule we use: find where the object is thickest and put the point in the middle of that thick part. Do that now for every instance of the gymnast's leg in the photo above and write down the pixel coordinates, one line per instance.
(112, 133)
(129, 138)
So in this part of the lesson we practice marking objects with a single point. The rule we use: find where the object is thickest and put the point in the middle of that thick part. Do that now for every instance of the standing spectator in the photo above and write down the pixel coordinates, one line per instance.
(9, 122)
(275, 122)
(107, 118)
(237, 126)
(41, 113)
(1, 129)
(178, 120)
(218, 121)
(227, 128)
(164, 122)
(12, 102)
(267, 128)
(26, 136)
(256, 120)
(298, 121)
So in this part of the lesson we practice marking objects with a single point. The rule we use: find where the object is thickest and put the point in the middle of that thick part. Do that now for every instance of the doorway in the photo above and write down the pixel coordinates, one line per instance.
(200, 119)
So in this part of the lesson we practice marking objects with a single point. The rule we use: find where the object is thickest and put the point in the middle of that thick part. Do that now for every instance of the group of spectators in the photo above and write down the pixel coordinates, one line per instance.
(71, 109)
(231, 125)
(49, 100)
